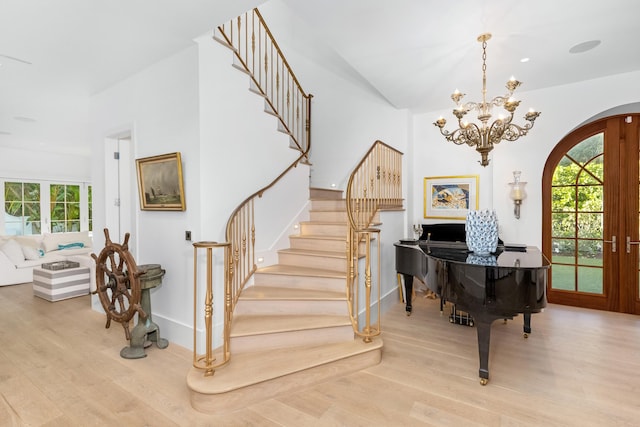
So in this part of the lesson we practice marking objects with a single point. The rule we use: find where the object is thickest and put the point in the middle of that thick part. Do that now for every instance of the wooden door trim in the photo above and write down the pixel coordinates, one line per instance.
(621, 168)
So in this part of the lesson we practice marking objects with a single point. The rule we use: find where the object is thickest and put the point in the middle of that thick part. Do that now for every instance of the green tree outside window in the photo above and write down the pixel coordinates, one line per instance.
(22, 203)
(65, 208)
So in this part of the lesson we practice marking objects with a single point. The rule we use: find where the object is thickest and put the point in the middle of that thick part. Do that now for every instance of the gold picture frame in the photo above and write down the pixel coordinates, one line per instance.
(450, 197)
(160, 185)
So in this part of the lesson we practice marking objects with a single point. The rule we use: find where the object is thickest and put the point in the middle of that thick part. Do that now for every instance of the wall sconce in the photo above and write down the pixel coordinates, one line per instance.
(517, 193)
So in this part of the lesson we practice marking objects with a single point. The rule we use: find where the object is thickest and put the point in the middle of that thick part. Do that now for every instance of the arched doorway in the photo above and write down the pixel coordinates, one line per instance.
(591, 191)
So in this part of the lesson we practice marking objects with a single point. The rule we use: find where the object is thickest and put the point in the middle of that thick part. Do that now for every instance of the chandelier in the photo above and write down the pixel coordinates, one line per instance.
(484, 135)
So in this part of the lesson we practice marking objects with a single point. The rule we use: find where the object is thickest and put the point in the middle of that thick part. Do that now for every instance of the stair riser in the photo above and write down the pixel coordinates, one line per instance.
(336, 216)
(325, 193)
(328, 216)
(310, 261)
(336, 284)
(328, 205)
(322, 245)
(270, 341)
(290, 307)
(320, 229)
(331, 245)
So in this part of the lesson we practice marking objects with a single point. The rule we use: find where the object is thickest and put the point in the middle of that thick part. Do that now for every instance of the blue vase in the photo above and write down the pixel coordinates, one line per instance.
(482, 232)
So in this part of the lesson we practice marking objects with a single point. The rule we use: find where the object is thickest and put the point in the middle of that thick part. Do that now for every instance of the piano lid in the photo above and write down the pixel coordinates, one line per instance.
(532, 258)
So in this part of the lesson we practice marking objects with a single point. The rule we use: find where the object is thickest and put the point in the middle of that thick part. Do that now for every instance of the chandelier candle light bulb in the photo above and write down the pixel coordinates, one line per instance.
(484, 135)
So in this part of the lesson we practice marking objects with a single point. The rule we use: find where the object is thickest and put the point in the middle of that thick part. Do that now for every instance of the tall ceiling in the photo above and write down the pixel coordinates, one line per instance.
(55, 54)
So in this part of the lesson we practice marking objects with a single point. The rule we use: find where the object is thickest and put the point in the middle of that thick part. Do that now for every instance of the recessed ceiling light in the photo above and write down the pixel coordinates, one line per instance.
(584, 46)
(524, 60)
(24, 119)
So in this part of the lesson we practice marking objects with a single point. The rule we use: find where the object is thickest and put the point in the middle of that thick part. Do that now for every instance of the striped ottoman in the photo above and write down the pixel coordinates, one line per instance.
(56, 285)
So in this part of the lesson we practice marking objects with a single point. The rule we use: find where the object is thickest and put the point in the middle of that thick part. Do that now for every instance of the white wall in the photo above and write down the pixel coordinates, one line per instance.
(195, 102)
(241, 151)
(160, 105)
(346, 118)
(27, 164)
(563, 109)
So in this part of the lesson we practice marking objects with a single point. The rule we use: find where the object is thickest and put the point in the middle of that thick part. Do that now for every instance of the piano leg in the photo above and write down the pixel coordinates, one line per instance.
(484, 337)
(408, 291)
(527, 324)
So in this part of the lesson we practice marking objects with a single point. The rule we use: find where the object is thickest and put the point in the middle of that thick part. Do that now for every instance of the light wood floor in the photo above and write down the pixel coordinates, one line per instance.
(59, 366)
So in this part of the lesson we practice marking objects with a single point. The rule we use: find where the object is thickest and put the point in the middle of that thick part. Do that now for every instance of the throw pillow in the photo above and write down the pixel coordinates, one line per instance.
(30, 253)
(13, 251)
(71, 245)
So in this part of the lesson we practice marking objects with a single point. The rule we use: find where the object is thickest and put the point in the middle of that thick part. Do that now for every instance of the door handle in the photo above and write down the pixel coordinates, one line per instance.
(613, 243)
(629, 243)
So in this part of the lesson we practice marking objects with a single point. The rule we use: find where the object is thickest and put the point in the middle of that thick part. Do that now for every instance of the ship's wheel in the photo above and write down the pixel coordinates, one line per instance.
(118, 283)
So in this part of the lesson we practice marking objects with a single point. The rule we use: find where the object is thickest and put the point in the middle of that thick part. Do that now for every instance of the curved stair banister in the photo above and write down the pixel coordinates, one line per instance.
(260, 57)
(271, 77)
(374, 185)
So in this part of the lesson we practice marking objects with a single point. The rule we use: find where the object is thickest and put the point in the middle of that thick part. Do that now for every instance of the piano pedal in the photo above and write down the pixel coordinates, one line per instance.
(460, 317)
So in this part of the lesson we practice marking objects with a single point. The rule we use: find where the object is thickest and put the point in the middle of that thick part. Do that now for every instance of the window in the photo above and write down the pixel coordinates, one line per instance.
(65, 207)
(90, 202)
(40, 206)
(22, 208)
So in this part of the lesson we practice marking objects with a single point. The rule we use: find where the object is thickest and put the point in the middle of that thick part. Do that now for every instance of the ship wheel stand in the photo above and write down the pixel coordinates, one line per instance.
(122, 294)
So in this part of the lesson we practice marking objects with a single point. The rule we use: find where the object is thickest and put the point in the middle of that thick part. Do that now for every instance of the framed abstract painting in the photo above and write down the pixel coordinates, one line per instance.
(450, 197)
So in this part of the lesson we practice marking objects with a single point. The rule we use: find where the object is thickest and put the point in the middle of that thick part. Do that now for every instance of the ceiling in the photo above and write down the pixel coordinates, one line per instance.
(55, 54)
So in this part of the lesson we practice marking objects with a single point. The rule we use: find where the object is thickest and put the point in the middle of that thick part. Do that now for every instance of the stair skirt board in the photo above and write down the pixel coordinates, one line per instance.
(248, 379)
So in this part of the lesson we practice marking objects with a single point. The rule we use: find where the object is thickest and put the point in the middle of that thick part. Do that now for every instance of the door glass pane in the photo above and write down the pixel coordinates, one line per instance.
(590, 225)
(590, 252)
(577, 218)
(564, 250)
(563, 277)
(563, 224)
(590, 280)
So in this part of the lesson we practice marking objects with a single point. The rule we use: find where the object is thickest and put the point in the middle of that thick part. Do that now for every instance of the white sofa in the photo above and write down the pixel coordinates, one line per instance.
(20, 254)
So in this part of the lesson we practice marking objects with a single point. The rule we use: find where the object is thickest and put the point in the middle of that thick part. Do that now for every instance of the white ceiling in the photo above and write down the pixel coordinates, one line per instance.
(414, 53)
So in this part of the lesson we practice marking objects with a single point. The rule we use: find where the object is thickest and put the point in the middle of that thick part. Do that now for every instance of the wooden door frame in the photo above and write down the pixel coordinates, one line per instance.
(617, 165)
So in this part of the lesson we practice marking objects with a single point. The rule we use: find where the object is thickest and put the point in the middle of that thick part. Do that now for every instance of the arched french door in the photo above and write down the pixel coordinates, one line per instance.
(591, 191)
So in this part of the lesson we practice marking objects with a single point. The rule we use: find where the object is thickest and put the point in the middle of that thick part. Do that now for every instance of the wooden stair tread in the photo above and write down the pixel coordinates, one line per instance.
(293, 270)
(324, 222)
(318, 236)
(244, 370)
(281, 293)
(263, 324)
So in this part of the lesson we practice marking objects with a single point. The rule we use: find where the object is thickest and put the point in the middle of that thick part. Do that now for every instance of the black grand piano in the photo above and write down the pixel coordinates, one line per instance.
(511, 281)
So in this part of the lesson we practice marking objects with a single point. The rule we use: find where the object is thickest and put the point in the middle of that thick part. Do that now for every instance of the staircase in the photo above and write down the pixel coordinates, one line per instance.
(292, 327)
